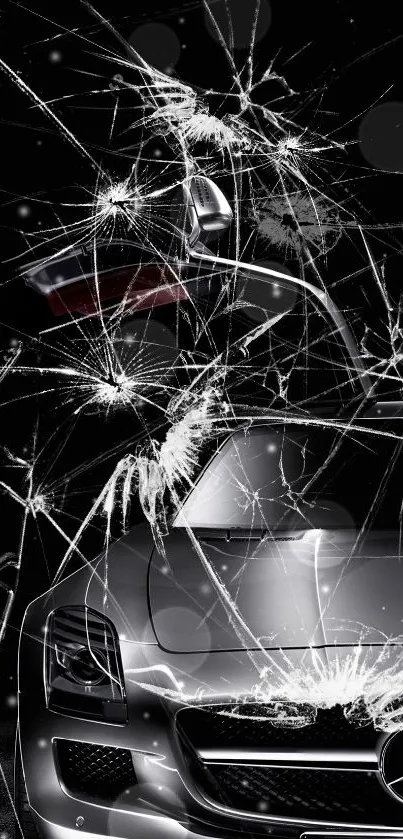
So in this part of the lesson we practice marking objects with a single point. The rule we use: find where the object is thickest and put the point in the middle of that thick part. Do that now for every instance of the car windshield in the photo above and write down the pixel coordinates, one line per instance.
(294, 477)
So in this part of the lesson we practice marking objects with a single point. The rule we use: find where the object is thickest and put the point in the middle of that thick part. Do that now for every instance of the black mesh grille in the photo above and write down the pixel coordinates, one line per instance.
(94, 771)
(304, 794)
(336, 795)
(215, 727)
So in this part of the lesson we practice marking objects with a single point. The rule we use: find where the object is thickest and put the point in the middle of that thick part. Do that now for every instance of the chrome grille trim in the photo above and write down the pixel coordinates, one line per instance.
(359, 760)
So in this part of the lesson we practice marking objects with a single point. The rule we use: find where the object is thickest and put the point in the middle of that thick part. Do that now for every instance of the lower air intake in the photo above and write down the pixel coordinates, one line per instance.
(95, 772)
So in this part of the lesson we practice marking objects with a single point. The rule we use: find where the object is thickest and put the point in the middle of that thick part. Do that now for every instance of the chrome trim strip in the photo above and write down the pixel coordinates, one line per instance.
(321, 296)
(313, 758)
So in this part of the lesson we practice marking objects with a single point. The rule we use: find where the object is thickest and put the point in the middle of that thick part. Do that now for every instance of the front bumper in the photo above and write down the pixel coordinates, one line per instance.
(159, 827)
(166, 800)
(129, 827)
(175, 808)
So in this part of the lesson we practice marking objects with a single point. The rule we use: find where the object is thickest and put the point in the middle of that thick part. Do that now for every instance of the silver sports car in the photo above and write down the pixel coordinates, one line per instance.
(247, 679)
(244, 675)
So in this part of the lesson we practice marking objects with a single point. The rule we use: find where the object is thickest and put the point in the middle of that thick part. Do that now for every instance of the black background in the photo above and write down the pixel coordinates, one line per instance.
(343, 58)
(340, 57)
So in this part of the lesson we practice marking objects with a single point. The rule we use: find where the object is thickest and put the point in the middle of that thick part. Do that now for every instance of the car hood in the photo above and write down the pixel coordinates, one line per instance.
(314, 589)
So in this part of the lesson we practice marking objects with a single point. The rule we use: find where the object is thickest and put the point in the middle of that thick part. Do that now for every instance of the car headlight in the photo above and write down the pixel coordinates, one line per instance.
(84, 675)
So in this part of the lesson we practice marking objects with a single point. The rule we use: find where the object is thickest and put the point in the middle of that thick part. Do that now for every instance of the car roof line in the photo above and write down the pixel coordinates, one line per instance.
(321, 296)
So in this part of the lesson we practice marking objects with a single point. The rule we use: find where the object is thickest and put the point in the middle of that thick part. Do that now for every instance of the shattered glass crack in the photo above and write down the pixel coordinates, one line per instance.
(249, 340)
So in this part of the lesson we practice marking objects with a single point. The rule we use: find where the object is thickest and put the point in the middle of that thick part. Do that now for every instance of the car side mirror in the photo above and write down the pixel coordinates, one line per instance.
(208, 210)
